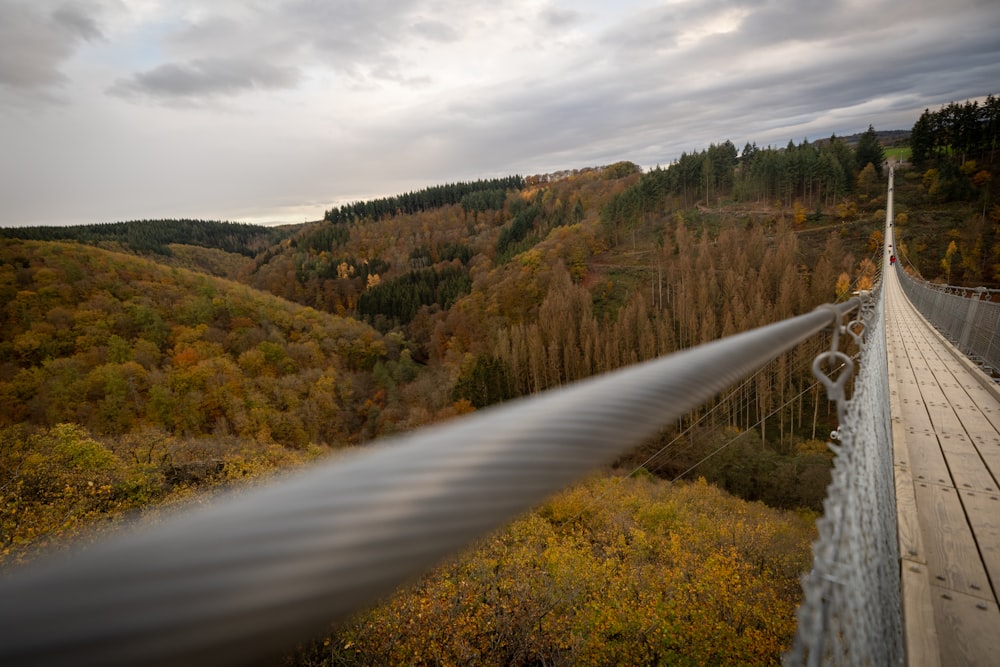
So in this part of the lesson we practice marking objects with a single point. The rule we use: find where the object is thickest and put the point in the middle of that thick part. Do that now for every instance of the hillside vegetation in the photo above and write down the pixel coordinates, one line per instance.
(132, 374)
(111, 342)
(156, 236)
(612, 572)
(948, 204)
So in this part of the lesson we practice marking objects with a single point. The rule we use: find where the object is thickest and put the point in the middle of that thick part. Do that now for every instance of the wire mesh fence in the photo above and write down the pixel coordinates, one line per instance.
(851, 612)
(968, 317)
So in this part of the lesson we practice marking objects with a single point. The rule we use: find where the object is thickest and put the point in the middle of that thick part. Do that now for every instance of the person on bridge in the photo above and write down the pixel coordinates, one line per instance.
(892, 259)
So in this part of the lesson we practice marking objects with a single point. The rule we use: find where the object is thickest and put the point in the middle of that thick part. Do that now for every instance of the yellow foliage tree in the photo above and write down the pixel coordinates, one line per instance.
(931, 181)
(867, 179)
(799, 212)
(344, 270)
(866, 274)
(876, 240)
(651, 573)
(843, 285)
(948, 260)
(847, 209)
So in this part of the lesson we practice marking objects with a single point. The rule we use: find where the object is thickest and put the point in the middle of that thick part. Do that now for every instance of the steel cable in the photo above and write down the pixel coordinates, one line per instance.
(247, 577)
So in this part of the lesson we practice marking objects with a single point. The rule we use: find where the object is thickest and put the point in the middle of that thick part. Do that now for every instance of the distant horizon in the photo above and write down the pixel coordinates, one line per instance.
(267, 220)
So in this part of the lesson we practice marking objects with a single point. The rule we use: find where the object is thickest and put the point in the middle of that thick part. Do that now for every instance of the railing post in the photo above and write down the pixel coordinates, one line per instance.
(989, 357)
(970, 317)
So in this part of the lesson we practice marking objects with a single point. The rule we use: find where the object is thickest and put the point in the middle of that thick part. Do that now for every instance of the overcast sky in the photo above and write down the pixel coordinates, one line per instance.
(275, 110)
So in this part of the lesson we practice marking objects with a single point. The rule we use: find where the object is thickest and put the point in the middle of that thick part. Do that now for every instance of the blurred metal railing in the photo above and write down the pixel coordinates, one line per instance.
(851, 613)
(250, 575)
(968, 317)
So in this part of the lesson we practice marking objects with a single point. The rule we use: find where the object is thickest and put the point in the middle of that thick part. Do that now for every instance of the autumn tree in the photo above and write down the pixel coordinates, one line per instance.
(868, 180)
(875, 240)
(947, 262)
(870, 151)
(651, 574)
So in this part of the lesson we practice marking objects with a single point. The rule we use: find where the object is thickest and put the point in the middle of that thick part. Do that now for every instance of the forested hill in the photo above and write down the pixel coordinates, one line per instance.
(488, 290)
(115, 343)
(156, 236)
(948, 203)
(126, 381)
(477, 195)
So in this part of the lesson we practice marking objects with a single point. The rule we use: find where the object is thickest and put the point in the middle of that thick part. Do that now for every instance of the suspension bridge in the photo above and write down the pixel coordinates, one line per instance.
(906, 568)
(946, 454)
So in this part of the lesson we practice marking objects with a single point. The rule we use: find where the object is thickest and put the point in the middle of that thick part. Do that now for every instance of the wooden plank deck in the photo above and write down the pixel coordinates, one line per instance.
(946, 451)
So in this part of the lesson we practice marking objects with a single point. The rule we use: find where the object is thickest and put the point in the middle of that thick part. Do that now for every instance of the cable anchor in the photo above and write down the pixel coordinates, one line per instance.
(835, 361)
(858, 327)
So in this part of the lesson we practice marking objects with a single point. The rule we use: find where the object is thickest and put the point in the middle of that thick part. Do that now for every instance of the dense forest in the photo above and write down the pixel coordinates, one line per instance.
(132, 375)
(156, 236)
(481, 195)
(947, 205)
(154, 346)
(956, 133)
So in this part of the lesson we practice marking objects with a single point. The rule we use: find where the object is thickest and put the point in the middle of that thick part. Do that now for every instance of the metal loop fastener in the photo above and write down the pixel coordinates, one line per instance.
(834, 386)
(859, 335)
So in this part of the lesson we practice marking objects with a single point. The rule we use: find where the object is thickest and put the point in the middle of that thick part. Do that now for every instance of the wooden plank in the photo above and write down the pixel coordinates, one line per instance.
(983, 510)
(967, 629)
(967, 465)
(986, 399)
(981, 389)
(984, 438)
(939, 409)
(914, 413)
(988, 446)
(911, 544)
(952, 413)
(970, 413)
(920, 637)
(952, 555)
(907, 521)
(900, 453)
(927, 462)
(967, 468)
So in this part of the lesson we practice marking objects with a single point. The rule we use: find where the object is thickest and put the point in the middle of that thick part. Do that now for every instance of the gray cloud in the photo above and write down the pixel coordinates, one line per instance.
(232, 48)
(380, 96)
(344, 35)
(205, 78)
(36, 38)
(436, 31)
(75, 21)
(635, 93)
(560, 18)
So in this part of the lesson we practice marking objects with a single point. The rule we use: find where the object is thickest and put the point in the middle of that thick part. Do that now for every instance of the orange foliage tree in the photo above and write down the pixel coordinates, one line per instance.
(613, 571)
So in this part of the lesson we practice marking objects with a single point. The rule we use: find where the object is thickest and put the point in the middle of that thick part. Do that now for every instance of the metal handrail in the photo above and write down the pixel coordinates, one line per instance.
(968, 317)
(250, 575)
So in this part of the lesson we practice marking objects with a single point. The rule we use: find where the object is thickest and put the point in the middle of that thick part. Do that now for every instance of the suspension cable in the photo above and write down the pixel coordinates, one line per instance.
(743, 401)
(250, 575)
(744, 432)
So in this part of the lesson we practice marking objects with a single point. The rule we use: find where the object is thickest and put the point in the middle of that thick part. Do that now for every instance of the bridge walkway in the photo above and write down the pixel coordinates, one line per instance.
(946, 459)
